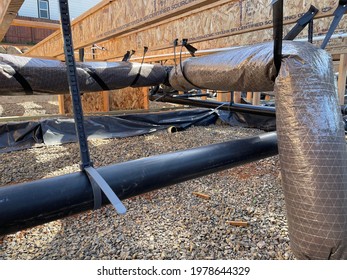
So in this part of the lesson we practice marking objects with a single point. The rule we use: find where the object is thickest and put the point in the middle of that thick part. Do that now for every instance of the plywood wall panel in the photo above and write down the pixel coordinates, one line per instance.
(91, 103)
(115, 18)
(129, 98)
(227, 20)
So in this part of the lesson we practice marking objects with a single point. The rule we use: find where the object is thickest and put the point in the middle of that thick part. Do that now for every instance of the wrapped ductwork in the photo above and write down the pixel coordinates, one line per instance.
(311, 137)
(23, 75)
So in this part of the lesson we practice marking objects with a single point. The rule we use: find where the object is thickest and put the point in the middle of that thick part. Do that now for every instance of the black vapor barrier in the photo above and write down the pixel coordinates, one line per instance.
(19, 135)
(266, 123)
(23, 135)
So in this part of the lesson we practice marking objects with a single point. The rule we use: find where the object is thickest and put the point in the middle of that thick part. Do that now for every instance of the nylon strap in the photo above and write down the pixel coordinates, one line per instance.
(145, 49)
(97, 78)
(23, 82)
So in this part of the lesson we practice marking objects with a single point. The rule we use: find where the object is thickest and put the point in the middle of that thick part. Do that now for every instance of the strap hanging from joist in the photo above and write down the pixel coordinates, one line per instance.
(191, 50)
(97, 182)
(189, 47)
(277, 32)
(300, 25)
(128, 55)
(145, 50)
(310, 31)
(338, 14)
(175, 44)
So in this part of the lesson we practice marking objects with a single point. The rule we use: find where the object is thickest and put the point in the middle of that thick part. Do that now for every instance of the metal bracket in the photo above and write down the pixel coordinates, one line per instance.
(97, 182)
(301, 23)
(338, 14)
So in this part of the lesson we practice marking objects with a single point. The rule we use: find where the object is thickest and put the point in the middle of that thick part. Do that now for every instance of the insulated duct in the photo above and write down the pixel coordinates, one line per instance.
(310, 129)
(24, 75)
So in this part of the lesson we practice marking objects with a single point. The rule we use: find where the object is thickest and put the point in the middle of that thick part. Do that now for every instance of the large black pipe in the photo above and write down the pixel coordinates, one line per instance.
(30, 204)
(235, 107)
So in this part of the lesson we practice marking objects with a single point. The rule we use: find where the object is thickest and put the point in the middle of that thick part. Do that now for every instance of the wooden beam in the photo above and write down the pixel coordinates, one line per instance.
(35, 24)
(119, 17)
(61, 104)
(143, 25)
(169, 56)
(256, 98)
(249, 97)
(8, 11)
(145, 98)
(106, 101)
(342, 79)
(237, 96)
(217, 28)
(223, 96)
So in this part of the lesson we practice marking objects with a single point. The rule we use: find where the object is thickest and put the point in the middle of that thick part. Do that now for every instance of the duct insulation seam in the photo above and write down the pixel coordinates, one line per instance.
(46, 76)
(311, 137)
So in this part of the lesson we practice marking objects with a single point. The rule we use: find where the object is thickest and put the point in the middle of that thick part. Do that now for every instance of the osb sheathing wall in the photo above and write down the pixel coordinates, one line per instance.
(217, 20)
(91, 102)
(123, 99)
(130, 98)
(321, 26)
(232, 24)
(116, 17)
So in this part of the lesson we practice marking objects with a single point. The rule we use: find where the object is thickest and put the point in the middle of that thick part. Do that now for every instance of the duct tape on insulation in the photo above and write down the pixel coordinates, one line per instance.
(311, 137)
(49, 76)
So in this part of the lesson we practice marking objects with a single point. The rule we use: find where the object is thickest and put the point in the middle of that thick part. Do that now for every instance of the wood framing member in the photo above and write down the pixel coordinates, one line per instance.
(204, 32)
(61, 104)
(222, 21)
(8, 11)
(237, 97)
(223, 96)
(256, 98)
(35, 24)
(249, 97)
(145, 98)
(118, 17)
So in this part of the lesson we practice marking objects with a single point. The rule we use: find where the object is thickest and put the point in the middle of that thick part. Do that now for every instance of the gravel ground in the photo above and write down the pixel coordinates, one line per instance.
(28, 105)
(171, 223)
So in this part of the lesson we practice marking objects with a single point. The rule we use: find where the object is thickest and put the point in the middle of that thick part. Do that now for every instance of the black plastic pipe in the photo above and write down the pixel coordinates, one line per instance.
(235, 107)
(34, 203)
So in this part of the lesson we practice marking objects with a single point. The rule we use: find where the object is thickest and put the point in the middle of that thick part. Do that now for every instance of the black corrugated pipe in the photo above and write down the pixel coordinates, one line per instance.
(34, 203)
(235, 107)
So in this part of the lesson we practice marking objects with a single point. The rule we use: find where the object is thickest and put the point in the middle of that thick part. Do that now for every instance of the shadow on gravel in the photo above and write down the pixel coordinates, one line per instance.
(12, 109)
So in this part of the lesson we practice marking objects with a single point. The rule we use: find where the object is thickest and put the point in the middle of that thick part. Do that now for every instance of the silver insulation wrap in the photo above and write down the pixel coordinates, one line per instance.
(310, 132)
(49, 76)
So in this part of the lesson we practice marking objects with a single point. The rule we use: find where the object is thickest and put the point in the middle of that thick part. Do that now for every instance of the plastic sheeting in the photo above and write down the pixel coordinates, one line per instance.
(310, 131)
(18, 136)
(266, 123)
(22, 135)
(49, 76)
